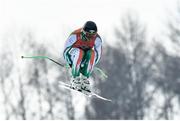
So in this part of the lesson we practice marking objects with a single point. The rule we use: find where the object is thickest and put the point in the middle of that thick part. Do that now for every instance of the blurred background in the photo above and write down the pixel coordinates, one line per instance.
(141, 44)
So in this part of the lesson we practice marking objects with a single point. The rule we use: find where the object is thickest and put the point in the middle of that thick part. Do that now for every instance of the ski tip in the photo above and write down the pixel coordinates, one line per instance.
(22, 57)
(109, 100)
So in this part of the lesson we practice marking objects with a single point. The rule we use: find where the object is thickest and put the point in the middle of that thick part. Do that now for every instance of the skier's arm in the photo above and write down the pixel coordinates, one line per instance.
(98, 49)
(68, 45)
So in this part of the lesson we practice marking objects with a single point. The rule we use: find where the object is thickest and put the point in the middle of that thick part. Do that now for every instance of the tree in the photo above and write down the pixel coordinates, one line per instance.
(167, 66)
(32, 92)
(6, 83)
(50, 99)
(166, 79)
(127, 65)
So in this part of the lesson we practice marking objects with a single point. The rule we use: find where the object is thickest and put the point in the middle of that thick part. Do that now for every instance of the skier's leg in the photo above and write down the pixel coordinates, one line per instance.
(76, 57)
(89, 64)
(87, 69)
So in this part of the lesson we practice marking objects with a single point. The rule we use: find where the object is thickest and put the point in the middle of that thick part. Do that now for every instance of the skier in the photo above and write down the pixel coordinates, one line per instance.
(82, 52)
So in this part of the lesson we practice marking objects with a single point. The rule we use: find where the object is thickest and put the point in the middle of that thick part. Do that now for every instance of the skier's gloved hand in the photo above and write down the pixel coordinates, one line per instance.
(68, 65)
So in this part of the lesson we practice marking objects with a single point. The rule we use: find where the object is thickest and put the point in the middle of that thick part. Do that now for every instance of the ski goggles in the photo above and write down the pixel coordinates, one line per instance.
(91, 33)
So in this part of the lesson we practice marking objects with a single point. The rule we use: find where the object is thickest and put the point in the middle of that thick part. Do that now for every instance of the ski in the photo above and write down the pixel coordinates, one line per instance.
(90, 95)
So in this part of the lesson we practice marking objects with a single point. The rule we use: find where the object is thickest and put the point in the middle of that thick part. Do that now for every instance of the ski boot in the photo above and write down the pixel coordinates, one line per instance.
(85, 85)
(76, 84)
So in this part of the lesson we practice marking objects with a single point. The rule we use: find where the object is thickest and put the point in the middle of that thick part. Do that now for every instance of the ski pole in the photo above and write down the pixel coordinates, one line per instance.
(60, 64)
(43, 57)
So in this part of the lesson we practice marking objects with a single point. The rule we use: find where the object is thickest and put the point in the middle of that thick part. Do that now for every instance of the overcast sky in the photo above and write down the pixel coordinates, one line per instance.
(48, 18)
(51, 21)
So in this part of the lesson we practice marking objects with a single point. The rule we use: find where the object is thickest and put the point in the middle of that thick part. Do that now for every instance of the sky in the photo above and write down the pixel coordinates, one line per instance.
(51, 21)
(55, 19)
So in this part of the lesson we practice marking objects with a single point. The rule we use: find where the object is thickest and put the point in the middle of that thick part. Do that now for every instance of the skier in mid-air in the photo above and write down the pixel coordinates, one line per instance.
(82, 52)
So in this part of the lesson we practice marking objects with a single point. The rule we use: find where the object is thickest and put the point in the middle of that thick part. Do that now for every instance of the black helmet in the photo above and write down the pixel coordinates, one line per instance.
(90, 27)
